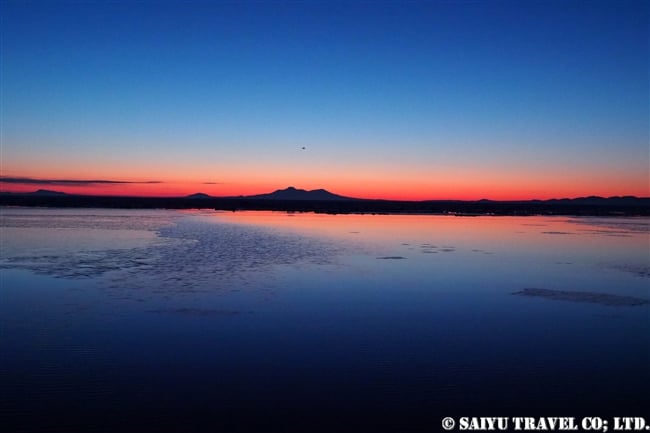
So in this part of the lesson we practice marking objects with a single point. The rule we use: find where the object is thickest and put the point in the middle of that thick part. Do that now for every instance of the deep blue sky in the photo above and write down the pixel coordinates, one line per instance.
(432, 97)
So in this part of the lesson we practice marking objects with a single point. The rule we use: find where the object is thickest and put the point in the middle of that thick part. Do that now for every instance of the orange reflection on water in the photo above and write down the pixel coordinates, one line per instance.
(483, 233)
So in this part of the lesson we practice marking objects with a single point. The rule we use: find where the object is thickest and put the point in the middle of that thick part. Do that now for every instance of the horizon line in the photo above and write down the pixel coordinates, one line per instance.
(234, 197)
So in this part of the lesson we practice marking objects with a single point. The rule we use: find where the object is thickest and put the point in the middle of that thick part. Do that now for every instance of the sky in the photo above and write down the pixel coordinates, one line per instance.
(417, 100)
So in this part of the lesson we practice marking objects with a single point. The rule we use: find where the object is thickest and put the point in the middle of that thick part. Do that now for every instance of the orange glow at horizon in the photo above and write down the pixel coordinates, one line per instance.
(383, 178)
(370, 188)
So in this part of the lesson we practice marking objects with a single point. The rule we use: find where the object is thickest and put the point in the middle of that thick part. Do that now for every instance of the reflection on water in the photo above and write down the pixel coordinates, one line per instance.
(121, 321)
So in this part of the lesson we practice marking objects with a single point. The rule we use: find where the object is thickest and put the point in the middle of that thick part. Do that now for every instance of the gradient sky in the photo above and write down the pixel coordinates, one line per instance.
(406, 100)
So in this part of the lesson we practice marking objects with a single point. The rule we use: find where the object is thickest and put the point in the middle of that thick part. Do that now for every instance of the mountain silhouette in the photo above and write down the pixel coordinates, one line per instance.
(292, 193)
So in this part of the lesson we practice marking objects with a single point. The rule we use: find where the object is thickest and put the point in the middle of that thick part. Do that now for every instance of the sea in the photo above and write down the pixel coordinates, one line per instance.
(125, 321)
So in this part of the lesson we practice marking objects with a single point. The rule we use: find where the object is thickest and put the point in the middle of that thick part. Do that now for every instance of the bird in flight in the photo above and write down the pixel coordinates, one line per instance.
(304, 148)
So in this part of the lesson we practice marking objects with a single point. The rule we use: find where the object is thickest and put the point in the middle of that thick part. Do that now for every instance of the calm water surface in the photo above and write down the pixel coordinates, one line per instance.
(137, 321)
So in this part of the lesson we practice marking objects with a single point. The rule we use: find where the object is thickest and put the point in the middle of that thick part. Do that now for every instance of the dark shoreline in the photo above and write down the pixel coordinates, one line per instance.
(620, 206)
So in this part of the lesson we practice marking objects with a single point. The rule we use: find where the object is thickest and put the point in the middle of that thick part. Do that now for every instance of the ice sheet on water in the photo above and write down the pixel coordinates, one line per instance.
(79, 219)
(204, 256)
(82, 264)
(191, 255)
(613, 226)
(586, 297)
(638, 270)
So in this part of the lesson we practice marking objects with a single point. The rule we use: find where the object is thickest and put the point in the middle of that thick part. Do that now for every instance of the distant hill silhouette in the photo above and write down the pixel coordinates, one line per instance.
(47, 192)
(321, 201)
(199, 195)
(595, 200)
(628, 200)
(292, 193)
(38, 193)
